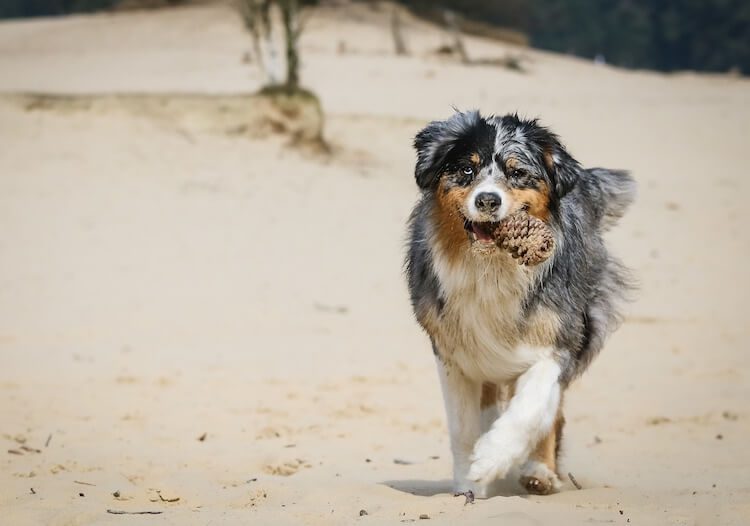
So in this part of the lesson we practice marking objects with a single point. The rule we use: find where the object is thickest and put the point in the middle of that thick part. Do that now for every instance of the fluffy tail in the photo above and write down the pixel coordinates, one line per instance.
(616, 191)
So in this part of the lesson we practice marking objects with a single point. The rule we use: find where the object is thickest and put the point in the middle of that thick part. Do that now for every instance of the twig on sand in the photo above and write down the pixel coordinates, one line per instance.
(574, 481)
(122, 512)
(83, 483)
(167, 499)
(469, 496)
(49, 438)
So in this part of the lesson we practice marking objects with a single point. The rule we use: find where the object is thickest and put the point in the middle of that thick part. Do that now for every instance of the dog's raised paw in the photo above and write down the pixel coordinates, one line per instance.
(487, 468)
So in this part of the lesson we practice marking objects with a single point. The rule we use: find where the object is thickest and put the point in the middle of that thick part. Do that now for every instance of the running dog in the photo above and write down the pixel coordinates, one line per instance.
(508, 339)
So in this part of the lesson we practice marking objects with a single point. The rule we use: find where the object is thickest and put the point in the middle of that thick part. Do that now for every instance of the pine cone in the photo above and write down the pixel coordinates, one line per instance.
(527, 238)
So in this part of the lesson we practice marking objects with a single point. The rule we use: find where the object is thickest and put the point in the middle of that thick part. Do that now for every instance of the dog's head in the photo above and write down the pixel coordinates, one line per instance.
(479, 170)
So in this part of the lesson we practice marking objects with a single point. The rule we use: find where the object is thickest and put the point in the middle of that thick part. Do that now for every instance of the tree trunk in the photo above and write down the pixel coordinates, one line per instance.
(272, 59)
(398, 35)
(451, 22)
(290, 19)
(257, 17)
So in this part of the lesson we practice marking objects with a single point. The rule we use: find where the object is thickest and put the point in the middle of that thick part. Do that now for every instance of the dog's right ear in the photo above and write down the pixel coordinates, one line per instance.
(435, 142)
(431, 153)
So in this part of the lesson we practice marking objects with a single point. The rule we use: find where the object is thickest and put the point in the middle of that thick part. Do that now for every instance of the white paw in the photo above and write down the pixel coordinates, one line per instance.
(491, 460)
(539, 479)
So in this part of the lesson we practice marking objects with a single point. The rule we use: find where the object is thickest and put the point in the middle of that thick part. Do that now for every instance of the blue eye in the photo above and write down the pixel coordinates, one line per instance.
(468, 170)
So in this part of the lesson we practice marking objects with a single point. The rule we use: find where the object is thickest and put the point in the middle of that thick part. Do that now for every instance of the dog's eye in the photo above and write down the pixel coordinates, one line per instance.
(468, 171)
(516, 173)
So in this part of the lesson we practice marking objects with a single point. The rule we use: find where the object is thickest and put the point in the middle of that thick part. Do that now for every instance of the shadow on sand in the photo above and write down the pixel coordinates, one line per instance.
(430, 488)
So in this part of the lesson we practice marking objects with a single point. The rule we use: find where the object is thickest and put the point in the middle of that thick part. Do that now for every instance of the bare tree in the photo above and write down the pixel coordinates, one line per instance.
(451, 23)
(256, 14)
(291, 108)
(398, 33)
(259, 19)
(292, 29)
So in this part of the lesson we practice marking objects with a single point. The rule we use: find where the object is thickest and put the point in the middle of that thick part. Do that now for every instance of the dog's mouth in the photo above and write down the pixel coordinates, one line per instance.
(481, 231)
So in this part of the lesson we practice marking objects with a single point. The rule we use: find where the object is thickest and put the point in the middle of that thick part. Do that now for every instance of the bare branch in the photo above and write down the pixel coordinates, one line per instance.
(451, 22)
(398, 34)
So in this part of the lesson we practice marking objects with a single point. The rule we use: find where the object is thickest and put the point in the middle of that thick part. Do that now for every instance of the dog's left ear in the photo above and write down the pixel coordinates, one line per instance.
(563, 170)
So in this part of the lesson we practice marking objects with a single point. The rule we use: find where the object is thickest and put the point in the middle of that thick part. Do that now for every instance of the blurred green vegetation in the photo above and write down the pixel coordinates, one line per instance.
(707, 35)
(24, 8)
(668, 35)
(29, 8)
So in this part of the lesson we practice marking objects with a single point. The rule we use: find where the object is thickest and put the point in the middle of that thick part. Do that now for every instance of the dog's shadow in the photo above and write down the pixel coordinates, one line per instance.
(430, 488)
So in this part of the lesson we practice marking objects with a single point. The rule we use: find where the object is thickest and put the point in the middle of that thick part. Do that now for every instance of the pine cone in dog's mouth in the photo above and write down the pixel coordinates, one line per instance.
(527, 238)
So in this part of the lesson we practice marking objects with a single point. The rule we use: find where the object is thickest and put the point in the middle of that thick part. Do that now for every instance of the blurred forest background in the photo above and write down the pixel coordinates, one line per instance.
(666, 35)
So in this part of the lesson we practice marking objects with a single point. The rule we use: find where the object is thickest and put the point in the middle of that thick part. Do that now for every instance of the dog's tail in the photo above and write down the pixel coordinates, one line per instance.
(614, 191)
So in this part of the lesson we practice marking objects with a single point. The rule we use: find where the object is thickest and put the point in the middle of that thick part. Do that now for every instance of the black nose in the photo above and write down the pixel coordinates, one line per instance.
(488, 202)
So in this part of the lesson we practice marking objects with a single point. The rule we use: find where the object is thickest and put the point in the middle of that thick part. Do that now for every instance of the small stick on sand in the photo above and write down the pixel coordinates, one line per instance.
(121, 512)
(469, 496)
(49, 438)
(84, 483)
(574, 481)
(167, 499)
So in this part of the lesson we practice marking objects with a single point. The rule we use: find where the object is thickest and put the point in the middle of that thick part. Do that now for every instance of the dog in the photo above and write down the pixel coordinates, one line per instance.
(508, 339)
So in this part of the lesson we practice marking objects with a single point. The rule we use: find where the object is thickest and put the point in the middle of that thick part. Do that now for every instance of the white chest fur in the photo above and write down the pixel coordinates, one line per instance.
(481, 328)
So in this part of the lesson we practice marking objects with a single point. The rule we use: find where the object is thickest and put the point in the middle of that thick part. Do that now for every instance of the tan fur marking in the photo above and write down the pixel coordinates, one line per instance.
(428, 318)
(545, 450)
(511, 163)
(548, 448)
(489, 395)
(536, 199)
(505, 392)
(542, 327)
(559, 424)
(475, 158)
(549, 161)
(449, 221)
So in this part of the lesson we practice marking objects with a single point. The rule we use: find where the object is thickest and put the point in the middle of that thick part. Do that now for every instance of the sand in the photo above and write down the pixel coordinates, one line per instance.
(216, 317)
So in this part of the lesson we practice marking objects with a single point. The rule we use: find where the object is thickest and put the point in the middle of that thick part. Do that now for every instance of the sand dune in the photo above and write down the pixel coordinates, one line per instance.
(215, 317)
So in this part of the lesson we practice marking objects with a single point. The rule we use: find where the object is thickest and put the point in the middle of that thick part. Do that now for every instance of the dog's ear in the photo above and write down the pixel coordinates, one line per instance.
(431, 153)
(435, 142)
(563, 170)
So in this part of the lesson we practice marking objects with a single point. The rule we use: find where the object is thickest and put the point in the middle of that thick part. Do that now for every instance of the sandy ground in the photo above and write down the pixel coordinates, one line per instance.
(203, 316)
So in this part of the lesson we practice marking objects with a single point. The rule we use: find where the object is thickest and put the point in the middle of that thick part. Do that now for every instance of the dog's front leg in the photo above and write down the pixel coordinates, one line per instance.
(529, 416)
(462, 397)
